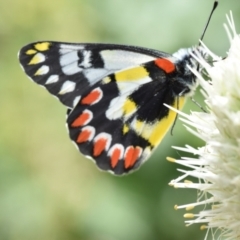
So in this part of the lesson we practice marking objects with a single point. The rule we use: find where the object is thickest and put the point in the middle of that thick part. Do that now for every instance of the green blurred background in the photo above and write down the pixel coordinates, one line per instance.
(47, 189)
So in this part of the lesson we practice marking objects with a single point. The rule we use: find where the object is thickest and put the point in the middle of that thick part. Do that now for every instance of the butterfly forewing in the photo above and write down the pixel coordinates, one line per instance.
(68, 70)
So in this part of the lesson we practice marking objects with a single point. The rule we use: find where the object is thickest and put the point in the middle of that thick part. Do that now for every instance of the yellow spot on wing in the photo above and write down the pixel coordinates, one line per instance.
(129, 107)
(125, 129)
(36, 59)
(106, 80)
(38, 72)
(139, 126)
(148, 130)
(131, 74)
(31, 52)
(44, 46)
(160, 128)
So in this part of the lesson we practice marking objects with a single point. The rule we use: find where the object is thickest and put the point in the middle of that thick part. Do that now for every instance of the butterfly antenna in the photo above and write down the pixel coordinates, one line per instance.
(215, 4)
(198, 104)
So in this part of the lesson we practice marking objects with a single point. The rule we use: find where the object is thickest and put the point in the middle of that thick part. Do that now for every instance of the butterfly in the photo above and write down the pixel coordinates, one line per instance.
(114, 94)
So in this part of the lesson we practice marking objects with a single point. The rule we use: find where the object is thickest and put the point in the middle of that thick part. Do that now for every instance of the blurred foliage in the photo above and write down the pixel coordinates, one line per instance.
(47, 189)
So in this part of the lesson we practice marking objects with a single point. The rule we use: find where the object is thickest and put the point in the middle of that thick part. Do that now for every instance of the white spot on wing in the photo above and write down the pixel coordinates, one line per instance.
(115, 110)
(76, 100)
(94, 75)
(42, 70)
(68, 86)
(146, 153)
(86, 60)
(69, 63)
(71, 68)
(69, 58)
(52, 79)
(120, 59)
(63, 51)
(70, 47)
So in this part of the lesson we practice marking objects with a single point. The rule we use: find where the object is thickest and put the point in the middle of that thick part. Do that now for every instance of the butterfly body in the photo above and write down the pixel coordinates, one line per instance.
(115, 95)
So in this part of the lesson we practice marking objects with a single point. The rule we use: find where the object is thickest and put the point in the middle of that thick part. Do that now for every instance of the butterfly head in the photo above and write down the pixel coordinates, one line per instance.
(185, 61)
(187, 55)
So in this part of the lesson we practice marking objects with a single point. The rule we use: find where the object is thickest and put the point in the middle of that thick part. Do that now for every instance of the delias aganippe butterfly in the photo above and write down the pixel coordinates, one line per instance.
(114, 95)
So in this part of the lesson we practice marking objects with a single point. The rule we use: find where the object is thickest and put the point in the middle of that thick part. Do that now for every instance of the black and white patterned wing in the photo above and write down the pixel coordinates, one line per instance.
(67, 70)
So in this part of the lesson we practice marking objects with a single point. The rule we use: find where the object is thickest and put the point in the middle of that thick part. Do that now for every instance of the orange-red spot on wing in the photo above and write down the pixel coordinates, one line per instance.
(81, 120)
(128, 157)
(99, 146)
(165, 64)
(83, 136)
(131, 156)
(115, 157)
(93, 97)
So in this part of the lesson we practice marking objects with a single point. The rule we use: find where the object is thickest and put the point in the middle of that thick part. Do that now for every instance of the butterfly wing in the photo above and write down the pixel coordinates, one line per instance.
(114, 94)
(120, 120)
(67, 70)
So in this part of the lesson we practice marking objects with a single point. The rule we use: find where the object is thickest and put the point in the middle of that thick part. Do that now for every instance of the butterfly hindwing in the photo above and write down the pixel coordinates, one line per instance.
(120, 120)
(67, 70)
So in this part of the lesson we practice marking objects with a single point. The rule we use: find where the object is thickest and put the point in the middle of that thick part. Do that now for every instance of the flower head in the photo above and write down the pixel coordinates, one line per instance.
(217, 165)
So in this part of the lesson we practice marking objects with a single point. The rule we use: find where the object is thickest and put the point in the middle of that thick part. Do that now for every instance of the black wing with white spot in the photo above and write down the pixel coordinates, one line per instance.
(67, 70)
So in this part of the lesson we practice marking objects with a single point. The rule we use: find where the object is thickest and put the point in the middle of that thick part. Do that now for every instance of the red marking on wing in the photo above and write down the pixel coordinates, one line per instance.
(93, 97)
(165, 64)
(99, 146)
(115, 157)
(84, 118)
(84, 136)
(131, 156)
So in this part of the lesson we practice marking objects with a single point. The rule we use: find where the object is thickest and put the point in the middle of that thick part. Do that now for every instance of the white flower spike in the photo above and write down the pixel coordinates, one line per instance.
(217, 165)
